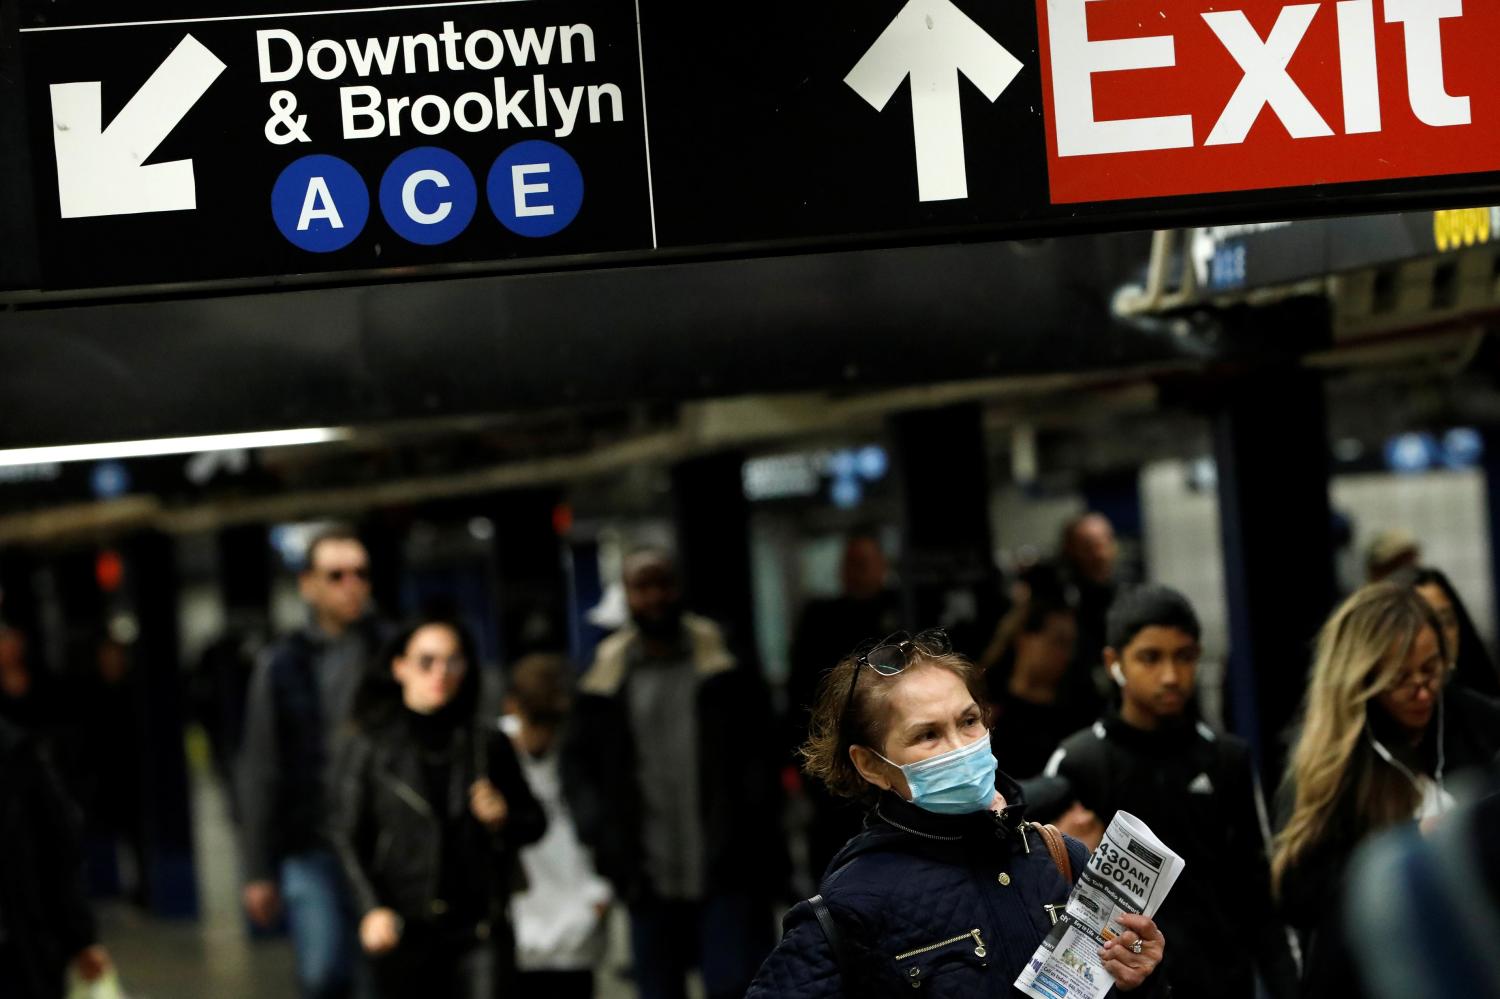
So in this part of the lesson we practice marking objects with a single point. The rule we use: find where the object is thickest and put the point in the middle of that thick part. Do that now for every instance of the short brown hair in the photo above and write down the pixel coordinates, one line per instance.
(825, 754)
(541, 684)
(333, 532)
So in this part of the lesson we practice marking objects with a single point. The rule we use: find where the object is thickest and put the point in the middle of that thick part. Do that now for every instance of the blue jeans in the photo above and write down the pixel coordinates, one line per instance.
(725, 936)
(321, 921)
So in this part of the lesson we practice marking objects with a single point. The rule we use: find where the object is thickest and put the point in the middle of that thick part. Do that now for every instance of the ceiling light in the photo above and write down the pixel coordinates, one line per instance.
(172, 445)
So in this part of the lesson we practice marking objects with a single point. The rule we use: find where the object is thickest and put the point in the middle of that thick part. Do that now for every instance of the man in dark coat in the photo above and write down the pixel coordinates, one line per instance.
(45, 922)
(300, 697)
(672, 774)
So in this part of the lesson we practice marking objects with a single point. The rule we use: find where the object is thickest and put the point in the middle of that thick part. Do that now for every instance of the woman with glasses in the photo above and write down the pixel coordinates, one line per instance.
(1379, 742)
(431, 806)
(1472, 666)
(948, 890)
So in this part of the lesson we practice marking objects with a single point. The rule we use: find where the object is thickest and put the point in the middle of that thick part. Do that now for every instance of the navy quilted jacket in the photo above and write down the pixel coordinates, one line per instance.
(952, 906)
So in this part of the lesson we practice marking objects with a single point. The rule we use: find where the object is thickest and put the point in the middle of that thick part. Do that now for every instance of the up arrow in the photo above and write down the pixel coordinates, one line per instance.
(101, 171)
(932, 41)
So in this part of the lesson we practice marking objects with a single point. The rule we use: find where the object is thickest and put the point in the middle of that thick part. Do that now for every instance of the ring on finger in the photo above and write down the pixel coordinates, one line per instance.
(1135, 948)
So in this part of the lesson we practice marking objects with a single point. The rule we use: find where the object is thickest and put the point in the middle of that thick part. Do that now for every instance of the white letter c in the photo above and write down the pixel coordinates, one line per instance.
(409, 198)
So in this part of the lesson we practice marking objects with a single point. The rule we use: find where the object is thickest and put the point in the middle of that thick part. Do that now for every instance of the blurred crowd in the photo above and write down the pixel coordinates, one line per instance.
(414, 841)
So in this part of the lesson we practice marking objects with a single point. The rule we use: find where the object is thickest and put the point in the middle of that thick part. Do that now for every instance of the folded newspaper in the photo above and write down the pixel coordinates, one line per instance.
(1130, 873)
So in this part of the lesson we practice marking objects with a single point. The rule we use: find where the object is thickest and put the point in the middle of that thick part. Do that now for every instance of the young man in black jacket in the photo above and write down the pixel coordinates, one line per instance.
(1196, 789)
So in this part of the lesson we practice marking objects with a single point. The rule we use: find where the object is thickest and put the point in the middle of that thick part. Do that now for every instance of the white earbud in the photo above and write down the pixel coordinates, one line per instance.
(1118, 673)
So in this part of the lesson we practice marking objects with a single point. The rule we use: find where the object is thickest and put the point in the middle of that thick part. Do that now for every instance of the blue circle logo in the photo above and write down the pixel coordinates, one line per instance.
(320, 203)
(535, 189)
(1463, 447)
(110, 479)
(873, 462)
(1410, 453)
(428, 195)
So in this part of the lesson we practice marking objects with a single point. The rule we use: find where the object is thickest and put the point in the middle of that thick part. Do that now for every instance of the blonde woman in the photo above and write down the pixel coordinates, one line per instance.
(1377, 744)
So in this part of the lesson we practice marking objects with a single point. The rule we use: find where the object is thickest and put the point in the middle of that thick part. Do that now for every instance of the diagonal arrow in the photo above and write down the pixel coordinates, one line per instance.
(101, 171)
(932, 41)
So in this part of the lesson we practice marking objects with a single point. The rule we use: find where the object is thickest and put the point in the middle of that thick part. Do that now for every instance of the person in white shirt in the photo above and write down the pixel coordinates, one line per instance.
(559, 916)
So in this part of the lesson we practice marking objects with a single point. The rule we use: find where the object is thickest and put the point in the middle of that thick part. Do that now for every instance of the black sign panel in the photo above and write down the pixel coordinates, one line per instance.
(277, 145)
(280, 139)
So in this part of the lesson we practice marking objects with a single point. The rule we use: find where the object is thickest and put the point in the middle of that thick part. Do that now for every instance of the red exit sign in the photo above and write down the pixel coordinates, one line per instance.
(1179, 97)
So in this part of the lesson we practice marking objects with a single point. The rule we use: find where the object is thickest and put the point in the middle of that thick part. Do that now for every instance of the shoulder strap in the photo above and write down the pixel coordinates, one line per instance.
(835, 939)
(1058, 847)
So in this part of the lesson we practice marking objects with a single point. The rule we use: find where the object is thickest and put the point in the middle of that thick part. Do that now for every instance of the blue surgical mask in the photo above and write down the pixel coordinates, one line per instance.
(956, 783)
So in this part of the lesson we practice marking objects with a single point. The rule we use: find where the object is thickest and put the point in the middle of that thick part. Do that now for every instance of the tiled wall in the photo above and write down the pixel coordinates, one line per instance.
(1028, 525)
(1182, 549)
(1446, 511)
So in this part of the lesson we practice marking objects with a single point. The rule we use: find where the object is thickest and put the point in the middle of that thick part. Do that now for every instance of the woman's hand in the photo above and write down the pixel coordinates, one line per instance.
(262, 903)
(1126, 967)
(1083, 825)
(92, 963)
(380, 931)
(488, 805)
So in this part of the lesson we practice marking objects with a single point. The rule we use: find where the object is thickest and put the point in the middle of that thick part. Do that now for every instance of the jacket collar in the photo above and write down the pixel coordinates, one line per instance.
(1392, 744)
(894, 812)
(1172, 737)
(703, 640)
(398, 761)
(366, 629)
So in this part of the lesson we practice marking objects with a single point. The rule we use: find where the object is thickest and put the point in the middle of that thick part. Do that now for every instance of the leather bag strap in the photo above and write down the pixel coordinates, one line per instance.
(835, 939)
(1058, 847)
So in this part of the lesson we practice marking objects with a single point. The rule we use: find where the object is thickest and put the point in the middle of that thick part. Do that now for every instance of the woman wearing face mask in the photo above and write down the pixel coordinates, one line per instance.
(431, 806)
(1377, 748)
(948, 889)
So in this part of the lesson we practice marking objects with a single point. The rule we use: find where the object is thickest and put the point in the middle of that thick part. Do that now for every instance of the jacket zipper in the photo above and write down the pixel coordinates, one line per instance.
(406, 793)
(979, 948)
(382, 847)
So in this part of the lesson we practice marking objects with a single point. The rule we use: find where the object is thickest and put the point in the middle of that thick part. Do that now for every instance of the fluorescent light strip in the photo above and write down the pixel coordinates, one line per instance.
(172, 445)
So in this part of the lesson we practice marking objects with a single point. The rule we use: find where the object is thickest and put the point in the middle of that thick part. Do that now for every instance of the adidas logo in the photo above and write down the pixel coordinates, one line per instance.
(1201, 785)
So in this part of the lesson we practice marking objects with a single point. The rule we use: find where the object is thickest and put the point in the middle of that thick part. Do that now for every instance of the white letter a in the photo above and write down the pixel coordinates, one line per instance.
(317, 194)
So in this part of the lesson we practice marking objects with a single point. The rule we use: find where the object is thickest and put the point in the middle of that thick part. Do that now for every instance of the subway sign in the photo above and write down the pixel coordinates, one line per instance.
(171, 144)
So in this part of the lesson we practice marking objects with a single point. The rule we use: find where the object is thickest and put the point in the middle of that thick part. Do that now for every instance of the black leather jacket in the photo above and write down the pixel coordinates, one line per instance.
(390, 838)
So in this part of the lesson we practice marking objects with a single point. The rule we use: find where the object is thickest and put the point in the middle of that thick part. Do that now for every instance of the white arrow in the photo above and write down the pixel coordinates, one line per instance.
(932, 41)
(100, 170)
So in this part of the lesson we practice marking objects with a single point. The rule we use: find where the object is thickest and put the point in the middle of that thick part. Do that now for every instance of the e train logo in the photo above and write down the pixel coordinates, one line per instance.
(427, 195)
